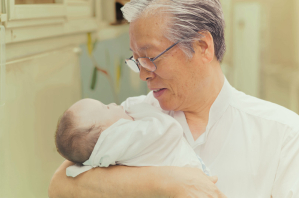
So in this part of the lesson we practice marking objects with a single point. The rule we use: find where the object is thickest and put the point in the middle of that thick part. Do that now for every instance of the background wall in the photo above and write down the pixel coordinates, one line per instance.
(262, 49)
(39, 89)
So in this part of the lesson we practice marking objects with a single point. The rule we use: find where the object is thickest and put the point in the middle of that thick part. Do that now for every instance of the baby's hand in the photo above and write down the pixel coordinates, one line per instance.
(214, 179)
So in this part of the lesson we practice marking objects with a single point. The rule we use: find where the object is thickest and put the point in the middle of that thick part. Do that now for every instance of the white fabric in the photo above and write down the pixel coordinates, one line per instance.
(153, 139)
(250, 144)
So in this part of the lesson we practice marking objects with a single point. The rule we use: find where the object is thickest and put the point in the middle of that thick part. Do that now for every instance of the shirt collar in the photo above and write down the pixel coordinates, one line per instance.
(216, 112)
(220, 104)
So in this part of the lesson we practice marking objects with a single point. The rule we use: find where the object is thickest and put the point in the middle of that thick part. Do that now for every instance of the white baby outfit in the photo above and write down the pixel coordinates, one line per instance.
(152, 139)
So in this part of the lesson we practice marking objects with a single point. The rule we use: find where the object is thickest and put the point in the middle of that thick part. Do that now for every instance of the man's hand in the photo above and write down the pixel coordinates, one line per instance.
(191, 183)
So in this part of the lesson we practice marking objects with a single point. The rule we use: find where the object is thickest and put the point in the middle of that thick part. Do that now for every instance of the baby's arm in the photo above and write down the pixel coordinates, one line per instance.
(115, 181)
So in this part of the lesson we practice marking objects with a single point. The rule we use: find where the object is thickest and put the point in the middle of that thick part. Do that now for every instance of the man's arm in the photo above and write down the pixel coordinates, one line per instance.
(115, 181)
(131, 182)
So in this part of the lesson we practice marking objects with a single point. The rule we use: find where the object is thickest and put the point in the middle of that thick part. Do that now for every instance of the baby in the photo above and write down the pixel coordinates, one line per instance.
(97, 135)
(81, 125)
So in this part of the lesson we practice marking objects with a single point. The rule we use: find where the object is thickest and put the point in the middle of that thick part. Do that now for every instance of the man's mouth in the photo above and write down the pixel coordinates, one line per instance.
(158, 90)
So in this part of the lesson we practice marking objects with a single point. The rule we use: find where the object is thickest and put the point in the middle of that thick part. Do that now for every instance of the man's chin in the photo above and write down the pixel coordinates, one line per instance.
(166, 106)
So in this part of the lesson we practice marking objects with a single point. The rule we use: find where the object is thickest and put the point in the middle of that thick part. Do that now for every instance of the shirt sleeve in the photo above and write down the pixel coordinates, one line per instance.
(286, 184)
(148, 99)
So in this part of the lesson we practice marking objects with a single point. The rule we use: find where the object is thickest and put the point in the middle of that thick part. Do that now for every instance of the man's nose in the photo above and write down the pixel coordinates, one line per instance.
(146, 75)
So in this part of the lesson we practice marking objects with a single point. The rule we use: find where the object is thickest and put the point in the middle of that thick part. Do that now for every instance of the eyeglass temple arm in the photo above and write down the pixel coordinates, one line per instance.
(165, 51)
(132, 59)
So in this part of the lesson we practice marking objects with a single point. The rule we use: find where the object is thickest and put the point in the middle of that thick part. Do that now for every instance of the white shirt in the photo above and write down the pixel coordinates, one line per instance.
(250, 144)
(153, 139)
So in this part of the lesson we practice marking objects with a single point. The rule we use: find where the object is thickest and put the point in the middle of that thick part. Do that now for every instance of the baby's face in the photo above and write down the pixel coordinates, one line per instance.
(90, 111)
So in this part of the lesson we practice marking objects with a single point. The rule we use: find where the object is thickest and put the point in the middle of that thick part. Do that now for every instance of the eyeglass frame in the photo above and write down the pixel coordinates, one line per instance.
(151, 59)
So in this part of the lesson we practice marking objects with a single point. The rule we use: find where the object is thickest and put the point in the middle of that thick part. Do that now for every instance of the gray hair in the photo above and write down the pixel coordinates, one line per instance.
(188, 18)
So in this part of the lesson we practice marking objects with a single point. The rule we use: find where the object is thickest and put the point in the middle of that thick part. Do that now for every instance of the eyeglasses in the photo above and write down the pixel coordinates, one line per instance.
(145, 62)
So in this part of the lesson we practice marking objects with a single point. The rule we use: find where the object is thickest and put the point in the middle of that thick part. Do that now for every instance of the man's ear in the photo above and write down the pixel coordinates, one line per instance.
(205, 46)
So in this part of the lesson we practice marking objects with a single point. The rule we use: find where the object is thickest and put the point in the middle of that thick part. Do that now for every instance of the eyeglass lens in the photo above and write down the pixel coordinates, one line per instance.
(132, 64)
(147, 64)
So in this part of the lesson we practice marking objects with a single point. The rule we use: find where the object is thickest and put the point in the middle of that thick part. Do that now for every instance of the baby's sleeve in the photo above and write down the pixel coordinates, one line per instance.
(132, 101)
(141, 100)
(75, 170)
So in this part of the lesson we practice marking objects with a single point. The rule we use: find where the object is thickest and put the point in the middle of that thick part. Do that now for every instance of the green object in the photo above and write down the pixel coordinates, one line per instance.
(94, 78)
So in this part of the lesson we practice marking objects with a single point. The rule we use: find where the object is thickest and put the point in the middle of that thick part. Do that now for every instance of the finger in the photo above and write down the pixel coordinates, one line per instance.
(214, 179)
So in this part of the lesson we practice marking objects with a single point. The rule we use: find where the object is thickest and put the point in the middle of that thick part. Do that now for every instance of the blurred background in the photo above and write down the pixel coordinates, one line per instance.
(55, 52)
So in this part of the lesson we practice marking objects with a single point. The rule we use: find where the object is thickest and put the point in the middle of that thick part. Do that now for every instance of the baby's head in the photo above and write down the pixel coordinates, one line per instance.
(81, 125)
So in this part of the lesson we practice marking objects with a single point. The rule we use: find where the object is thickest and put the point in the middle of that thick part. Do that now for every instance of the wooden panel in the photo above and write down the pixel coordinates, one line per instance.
(294, 97)
(276, 90)
(38, 11)
(281, 85)
(21, 50)
(80, 8)
(122, 1)
(34, 1)
(227, 11)
(30, 11)
(75, 11)
(2, 65)
(38, 91)
(108, 11)
(54, 30)
(34, 22)
(246, 47)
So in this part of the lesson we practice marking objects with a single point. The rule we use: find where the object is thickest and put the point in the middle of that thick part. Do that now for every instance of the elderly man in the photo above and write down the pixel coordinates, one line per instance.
(250, 144)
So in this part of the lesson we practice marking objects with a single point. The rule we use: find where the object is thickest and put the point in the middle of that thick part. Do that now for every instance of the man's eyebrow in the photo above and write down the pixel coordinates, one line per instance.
(142, 48)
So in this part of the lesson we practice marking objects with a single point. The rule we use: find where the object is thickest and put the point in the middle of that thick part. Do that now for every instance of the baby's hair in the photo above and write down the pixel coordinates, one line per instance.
(75, 143)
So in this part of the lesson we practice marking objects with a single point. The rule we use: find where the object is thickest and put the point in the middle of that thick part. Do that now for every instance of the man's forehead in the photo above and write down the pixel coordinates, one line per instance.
(146, 34)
